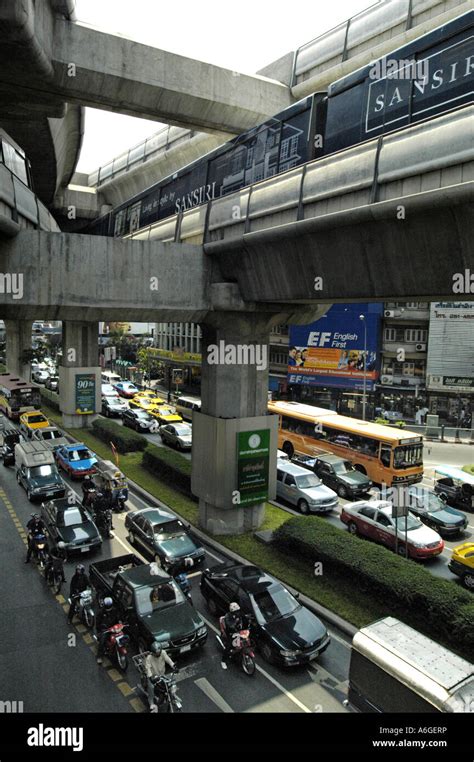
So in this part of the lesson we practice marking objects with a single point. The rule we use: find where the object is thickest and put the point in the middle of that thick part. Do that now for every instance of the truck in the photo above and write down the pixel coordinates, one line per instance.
(37, 472)
(395, 668)
(51, 437)
(150, 602)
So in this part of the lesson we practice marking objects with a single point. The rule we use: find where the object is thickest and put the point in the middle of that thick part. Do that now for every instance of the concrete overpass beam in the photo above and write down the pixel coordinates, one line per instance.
(79, 374)
(18, 334)
(234, 401)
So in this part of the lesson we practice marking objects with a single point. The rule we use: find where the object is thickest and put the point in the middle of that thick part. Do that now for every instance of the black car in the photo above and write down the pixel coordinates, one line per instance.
(164, 537)
(139, 420)
(113, 407)
(434, 512)
(71, 524)
(11, 437)
(336, 473)
(286, 632)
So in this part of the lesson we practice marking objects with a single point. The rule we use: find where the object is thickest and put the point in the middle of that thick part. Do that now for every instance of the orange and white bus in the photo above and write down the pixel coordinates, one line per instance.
(387, 455)
(17, 396)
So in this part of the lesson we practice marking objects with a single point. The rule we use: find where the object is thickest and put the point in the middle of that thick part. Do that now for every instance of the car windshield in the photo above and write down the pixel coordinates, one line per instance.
(343, 467)
(143, 416)
(71, 518)
(37, 471)
(36, 419)
(170, 529)
(160, 596)
(79, 455)
(274, 603)
(427, 501)
(408, 456)
(51, 435)
(182, 431)
(307, 481)
(407, 523)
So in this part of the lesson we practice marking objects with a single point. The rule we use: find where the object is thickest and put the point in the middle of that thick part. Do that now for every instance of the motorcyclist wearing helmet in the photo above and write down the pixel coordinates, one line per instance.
(34, 526)
(155, 667)
(88, 487)
(56, 558)
(79, 583)
(107, 617)
(233, 622)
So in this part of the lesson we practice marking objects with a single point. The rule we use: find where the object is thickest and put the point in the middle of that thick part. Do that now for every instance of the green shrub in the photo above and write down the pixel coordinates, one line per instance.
(170, 467)
(124, 439)
(469, 469)
(447, 609)
(51, 398)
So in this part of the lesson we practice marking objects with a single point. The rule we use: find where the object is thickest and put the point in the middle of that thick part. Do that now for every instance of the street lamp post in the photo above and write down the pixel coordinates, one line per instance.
(364, 398)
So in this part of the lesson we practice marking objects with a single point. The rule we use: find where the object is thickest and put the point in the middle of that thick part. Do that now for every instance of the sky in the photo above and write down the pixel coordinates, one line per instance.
(259, 32)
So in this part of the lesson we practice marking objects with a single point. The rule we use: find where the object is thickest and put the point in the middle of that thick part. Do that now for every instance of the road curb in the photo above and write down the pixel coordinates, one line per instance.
(321, 611)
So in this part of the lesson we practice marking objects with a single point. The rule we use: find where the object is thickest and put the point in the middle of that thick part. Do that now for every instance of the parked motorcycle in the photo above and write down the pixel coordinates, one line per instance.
(40, 549)
(84, 609)
(165, 688)
(115, 647)
(242, 648)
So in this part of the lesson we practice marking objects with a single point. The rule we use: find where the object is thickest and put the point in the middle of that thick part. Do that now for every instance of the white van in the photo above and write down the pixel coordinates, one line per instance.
(186, 405)
(110, 378)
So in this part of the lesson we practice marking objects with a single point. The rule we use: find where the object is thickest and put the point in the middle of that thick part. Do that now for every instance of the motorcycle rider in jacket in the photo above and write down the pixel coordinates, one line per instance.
(155, 667)
(234, 621)
(107, 617)
(34, 526)
(79, 583)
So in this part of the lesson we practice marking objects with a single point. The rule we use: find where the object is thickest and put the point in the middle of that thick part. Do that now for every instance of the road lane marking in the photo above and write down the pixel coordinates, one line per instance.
(137, 704)
(125, 689)
(114, 674)
(269, 677)
(214, 695)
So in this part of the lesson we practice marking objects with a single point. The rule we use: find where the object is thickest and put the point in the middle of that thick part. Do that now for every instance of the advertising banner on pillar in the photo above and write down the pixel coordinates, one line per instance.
(253, 455)
(332, 351)
(85, 393)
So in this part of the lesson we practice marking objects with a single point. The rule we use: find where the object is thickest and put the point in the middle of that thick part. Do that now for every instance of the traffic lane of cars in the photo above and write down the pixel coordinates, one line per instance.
(39, 665)
(320, 683)
(438, 565)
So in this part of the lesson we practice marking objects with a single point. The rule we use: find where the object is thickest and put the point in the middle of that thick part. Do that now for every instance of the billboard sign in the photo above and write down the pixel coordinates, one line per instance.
(253, 457)
(333, 351)
(85, 393)
(450, 361)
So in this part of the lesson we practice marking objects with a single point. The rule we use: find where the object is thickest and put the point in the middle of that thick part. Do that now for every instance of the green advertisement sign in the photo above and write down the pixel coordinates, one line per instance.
(85, 393)
(253, 455)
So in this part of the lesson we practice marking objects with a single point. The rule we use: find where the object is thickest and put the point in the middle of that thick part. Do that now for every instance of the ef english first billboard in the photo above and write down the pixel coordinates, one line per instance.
(334, 350)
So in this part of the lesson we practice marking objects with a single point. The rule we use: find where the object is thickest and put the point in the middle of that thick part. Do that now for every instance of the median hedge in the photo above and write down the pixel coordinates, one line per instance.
(447, 609)
(52, 398)
(169, 466)
(469, 469)
(125, 440)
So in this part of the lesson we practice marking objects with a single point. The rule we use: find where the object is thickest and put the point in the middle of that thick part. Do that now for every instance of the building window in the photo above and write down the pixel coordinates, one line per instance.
(413, 335)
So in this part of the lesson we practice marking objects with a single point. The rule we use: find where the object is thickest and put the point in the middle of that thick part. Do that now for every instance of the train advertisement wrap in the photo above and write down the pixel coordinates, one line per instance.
(333, 351)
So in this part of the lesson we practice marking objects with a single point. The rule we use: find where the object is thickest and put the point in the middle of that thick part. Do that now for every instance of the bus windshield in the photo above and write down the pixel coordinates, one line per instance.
(408, 456)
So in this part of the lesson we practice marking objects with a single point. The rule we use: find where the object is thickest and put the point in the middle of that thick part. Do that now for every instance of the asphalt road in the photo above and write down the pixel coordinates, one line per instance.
(50, 671)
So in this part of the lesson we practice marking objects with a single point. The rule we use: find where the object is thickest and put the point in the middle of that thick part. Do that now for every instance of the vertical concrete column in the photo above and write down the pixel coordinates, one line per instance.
(79, 374)
(18, 335)
(234, 392)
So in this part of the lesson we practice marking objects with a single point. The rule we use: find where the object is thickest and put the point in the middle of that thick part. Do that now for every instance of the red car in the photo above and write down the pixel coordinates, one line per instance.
(126, 389)
(373, 519)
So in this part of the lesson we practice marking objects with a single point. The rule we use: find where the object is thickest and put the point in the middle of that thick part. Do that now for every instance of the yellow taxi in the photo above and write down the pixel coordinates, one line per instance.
(144, 403)
(462, 563)
(31, 421)
(165, 414)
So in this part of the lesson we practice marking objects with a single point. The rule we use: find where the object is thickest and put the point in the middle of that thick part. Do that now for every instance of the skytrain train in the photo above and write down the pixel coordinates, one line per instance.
(427, 77)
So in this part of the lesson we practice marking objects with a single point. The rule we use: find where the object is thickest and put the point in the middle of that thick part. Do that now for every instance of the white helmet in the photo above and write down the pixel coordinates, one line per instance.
(234, 607)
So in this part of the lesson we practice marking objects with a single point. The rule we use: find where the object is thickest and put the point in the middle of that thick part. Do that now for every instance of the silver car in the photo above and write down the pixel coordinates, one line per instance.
(177, 434)
(304, 489)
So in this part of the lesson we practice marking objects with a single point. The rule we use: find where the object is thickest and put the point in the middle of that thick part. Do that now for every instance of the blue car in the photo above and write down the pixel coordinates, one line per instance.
(126, 389)
(76, 460)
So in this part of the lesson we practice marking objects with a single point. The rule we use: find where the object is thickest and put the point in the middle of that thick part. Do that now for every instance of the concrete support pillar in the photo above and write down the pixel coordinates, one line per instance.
(79, 374)
(18, 339)
(234, 384)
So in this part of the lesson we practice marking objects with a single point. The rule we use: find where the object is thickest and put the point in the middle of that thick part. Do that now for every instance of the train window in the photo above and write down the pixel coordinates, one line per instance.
(15, 162)
(294, 141)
